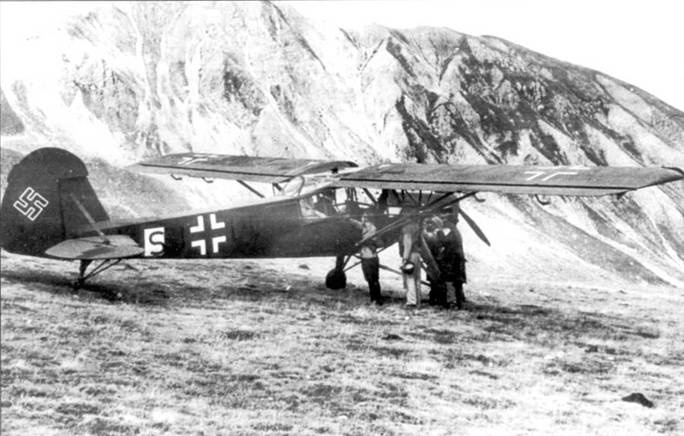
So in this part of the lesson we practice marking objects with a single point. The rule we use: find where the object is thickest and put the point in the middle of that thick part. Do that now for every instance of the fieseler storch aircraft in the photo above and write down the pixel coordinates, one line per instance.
(51, 210)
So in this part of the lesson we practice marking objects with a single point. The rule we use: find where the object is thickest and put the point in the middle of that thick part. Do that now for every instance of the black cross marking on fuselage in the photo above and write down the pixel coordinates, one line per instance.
(215, 239)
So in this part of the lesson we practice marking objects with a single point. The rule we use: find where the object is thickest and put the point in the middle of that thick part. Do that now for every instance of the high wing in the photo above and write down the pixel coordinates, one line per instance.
(509, 179)
(246, 168)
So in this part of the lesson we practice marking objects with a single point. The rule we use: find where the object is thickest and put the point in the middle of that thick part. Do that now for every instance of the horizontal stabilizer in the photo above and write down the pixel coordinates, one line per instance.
(246, 168)
(95, 248)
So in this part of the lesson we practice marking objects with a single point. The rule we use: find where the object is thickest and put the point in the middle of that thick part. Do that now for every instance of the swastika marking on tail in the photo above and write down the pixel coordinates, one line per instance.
(31, 204)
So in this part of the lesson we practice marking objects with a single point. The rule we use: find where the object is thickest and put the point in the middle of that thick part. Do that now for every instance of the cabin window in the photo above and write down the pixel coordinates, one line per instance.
(293, 186)
(319, 205)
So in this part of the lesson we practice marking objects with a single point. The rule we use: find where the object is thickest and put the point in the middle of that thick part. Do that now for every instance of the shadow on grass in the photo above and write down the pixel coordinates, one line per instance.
(496, 321)
(542, 324)
(197, 287)
(141, 292)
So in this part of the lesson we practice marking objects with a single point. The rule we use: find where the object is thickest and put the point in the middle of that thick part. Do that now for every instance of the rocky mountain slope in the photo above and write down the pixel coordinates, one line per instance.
(127, 81)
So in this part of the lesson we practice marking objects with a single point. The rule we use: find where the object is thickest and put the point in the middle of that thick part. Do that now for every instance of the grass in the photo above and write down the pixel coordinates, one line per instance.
(243, 348)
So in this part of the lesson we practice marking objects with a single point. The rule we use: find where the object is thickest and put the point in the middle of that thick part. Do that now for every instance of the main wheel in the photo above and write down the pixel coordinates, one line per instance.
(336, 279)
(77, 284)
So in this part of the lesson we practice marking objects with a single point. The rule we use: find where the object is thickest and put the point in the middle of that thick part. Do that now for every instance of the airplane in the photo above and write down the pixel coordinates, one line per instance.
(51, 210)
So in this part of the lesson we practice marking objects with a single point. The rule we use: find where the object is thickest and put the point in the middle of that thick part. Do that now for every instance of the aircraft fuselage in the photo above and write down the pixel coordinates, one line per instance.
(273, 229)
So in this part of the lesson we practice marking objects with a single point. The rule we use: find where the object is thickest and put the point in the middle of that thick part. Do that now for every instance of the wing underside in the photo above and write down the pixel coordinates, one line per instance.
(510, 179)
(506, 179)
(245, 168)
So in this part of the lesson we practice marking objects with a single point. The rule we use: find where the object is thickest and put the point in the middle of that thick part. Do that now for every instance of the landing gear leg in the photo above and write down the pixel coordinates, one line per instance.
(336, 278)
(82, 276)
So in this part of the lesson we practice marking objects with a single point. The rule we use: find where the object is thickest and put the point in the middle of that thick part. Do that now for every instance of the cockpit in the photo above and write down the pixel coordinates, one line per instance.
(329, 202)
(321, 201)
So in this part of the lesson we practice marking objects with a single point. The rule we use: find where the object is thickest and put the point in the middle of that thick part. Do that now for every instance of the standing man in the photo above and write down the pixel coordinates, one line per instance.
(370, 265)
(434, 240)
(452, 262)
(411, 262)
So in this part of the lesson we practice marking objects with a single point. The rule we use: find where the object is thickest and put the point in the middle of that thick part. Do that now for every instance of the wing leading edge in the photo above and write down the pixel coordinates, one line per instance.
(510, 179)
(246, 168)
(506, 179)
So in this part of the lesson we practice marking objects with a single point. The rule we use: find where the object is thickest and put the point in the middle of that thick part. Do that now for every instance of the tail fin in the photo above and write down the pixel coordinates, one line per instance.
(39, 208)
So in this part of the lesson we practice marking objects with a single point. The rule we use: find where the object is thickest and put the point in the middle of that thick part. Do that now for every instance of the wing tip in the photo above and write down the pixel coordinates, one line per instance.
(678, 170)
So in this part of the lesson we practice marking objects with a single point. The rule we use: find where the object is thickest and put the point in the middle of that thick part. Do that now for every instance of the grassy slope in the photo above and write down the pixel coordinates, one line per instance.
(240, 347)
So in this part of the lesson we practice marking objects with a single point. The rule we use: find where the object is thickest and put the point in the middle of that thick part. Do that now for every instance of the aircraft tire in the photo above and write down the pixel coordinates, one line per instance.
(336, 279)
(77, 284)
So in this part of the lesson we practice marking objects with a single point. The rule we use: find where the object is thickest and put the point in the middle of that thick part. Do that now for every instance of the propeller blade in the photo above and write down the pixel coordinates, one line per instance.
(432, 269)
(478, 231)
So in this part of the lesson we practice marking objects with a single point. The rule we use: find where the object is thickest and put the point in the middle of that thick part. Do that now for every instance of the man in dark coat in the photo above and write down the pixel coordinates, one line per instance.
(452, 261)
(434, 239)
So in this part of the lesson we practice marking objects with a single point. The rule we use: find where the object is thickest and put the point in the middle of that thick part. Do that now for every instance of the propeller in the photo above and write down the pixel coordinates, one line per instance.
(473, 225)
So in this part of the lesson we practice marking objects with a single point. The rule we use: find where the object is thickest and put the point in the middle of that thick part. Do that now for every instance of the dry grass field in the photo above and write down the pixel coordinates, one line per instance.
(244, 348)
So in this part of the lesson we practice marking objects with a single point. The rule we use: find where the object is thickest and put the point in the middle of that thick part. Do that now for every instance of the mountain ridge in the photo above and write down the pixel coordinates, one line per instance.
(129, 81)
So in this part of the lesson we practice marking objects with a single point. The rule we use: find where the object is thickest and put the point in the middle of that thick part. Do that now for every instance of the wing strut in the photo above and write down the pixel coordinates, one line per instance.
(370, 196)
(385, 267)
(432, 207)
(246, 185)
(399, 272)
(359, 262)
